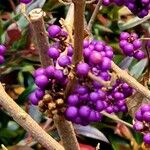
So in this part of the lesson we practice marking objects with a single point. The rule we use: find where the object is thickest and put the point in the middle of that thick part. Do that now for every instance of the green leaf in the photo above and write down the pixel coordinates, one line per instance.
(137, 69)
(133, 22)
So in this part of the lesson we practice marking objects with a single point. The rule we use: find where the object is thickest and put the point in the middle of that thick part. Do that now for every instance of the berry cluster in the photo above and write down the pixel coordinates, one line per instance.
(131, 45)
(88, 97)
(2, 52)
(142, 123)
(137, 7)
(25, 1)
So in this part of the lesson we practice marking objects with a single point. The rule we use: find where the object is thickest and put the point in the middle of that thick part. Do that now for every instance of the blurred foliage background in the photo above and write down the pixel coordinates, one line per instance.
(22, 59)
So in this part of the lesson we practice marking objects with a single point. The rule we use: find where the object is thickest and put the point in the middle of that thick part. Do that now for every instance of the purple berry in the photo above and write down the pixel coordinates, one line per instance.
(39, 71)
(59, 75)
(146, 138)
(138, 115)
(138, 126)
(84, 111)
(53, 52)
(39, 93)
(50, 71)
(64, 61)
(34, 100)
(2, 49)
(146, 116)
(83, 69)
(139, 55)
(41, 81)
(106, 64)
(137, 44)
(95, 58)
(54, 31)
(2, 59)
(71, 112)
(73, 100)
(124, 36)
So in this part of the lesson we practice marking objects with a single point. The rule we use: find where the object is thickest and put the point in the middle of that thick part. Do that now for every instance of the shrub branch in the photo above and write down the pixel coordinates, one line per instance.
(22, 118)
(65, 127)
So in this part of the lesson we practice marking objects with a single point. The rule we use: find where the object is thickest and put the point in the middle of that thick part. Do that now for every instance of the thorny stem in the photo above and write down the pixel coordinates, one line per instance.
(65, 128)
(92, 19)
(22, 118)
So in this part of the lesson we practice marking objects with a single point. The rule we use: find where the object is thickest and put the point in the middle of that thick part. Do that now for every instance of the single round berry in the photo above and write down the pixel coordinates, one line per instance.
(41, 81)
(84, 111)
(59, 75)
(39, 71)
(99, 105)
(39, 93)
(139, 55)
(53, 52)
(138, 126)
(94, 96)
(106, 64)
(128, 49)
(138, 115)
(124, 36)
(137, 44)
(71, 112)
(146, 138)
(81, 90)
(95, 57)
(34, 100)
(64, 61)
(2, 59)
(2, 49)
(50, 71)
(146, 116)
(73, 100)
(54, 31)
(82, 69)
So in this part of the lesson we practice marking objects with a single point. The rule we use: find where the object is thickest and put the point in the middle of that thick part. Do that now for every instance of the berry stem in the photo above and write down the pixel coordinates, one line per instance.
(22, 118)
(130, 80)
(36, 17)
(115, 118)
(99, 80)
(92, 19)
(145, 38)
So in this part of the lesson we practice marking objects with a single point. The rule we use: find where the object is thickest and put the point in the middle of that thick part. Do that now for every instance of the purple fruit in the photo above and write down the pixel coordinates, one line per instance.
(82, 69)
(54, 31)
(41, 81)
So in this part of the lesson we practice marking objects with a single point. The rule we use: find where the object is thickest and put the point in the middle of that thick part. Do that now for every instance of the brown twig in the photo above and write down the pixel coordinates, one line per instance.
(12, 5)
(36, 17)
(40, 36)
(61, 125)
(98, 79)
(92, 19)
(130, 80)
(22, 118)
(79, 6)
